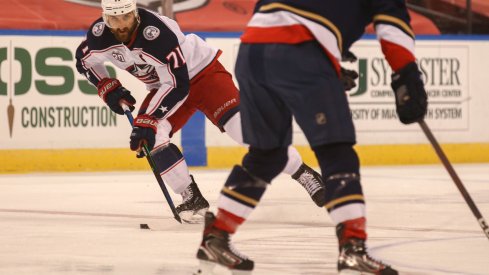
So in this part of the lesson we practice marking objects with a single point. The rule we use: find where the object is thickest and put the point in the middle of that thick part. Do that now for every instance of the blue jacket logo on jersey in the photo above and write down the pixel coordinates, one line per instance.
(151, 32)
(98, 29)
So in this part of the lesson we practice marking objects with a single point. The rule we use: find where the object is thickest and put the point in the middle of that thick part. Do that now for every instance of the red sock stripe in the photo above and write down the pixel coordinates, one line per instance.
(354, 229)
(227, 221)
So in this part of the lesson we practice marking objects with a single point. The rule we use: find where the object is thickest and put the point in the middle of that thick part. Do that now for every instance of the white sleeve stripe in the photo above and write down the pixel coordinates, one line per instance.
(395, 35)
(172, 76)
(396, 21)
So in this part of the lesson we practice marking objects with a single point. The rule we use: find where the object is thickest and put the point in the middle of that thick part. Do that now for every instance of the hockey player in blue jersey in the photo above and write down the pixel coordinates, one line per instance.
(153, 49)
(288, 66)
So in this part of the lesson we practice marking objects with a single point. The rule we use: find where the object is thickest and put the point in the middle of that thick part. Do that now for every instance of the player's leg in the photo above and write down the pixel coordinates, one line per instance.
(173, 168)
(218, 99)
(247, 183)
(327, 124)
(295, 167)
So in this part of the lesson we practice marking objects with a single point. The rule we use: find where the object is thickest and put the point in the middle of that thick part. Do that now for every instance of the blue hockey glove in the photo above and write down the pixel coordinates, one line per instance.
(411, 98)
(113, 94)
(143, 132)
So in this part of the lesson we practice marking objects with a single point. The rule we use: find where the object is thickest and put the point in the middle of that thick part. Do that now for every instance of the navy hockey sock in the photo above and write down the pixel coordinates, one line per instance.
(239, 196)
(340, 169)
(337, 158)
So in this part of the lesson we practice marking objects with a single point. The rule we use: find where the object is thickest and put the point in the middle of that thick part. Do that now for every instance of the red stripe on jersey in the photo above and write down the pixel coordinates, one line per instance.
(292, 34)
(396, 55)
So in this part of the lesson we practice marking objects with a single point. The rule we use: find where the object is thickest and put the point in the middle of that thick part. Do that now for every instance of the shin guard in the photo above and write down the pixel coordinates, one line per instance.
(172, 167)
(239, 196)
(344, 197)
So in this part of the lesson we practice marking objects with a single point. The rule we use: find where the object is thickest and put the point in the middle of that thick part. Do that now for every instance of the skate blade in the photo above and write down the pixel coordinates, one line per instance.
(193, 217)
(189, 217)
(241, 272)
(205, 268)
(202, 211)
(351, 272)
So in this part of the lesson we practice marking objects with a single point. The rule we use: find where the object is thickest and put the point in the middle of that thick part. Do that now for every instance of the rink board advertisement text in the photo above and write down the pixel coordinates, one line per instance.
(47, 107)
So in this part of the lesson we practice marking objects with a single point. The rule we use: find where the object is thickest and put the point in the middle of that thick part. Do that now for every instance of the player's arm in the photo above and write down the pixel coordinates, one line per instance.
(393, 28)
(162, 50)
(165, 54)
(90, 64)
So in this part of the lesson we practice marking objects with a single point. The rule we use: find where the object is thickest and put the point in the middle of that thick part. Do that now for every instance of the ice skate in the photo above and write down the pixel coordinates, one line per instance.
(216, 248)
(193, 205)
(312, 182)
(354, 259)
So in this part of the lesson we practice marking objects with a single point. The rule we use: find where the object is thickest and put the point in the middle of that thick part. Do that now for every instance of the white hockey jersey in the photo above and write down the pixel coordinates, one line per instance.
(159, 55)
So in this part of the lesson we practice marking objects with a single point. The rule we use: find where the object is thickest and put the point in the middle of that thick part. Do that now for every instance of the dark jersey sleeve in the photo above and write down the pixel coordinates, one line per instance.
(161, 47)
(87, 64)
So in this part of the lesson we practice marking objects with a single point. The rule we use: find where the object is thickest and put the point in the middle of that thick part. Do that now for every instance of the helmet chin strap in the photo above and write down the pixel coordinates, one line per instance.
(138, 19)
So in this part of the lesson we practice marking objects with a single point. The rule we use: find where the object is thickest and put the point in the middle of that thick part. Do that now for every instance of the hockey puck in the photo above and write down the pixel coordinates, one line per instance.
(143, 226)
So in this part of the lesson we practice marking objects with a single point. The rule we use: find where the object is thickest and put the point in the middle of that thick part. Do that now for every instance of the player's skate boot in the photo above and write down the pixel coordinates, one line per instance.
(193, 203)
(354, 259)
(216, 247)
(312, 182)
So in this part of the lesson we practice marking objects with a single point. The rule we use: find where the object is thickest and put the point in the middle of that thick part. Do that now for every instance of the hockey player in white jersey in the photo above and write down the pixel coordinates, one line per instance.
(153, 49)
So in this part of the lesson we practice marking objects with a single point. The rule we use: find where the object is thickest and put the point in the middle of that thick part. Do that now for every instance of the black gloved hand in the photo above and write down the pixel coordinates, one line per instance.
(348, 78)
(411, 98)
(143, 132)
(348, 57)
(113, 94)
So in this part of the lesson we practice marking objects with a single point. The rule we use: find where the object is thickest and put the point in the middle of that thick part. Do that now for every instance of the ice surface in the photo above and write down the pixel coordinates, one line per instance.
(88, 223)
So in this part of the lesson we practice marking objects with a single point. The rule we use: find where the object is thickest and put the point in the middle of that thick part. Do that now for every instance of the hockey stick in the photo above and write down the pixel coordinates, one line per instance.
(153, 168)
(482, 222)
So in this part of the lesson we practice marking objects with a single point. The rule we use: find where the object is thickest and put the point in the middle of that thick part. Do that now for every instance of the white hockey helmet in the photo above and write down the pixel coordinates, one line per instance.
(118, 7)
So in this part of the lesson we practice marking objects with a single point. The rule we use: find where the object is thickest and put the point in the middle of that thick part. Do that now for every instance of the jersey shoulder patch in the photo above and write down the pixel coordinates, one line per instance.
(99, 36)
(151, 32)
(98, 29)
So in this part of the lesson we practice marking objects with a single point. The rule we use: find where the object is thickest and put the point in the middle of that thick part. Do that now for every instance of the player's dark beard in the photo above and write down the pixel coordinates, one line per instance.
(124, 35)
